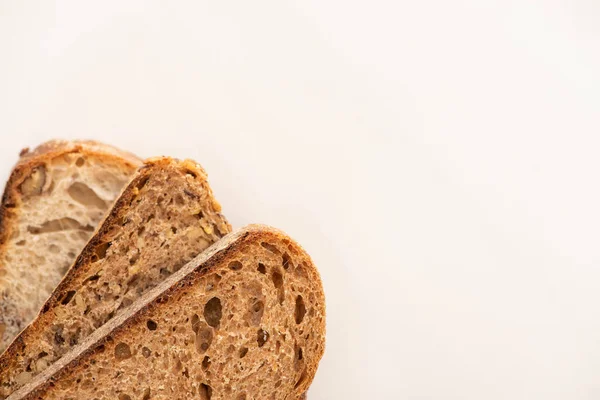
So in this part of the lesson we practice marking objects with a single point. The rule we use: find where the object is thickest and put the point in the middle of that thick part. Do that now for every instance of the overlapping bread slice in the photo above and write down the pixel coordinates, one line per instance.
(54, 199)
(165, 217)
(243, 320)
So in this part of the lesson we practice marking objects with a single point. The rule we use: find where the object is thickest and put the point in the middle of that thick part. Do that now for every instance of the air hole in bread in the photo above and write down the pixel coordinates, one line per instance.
(83, 194)
(34, 183)
(262, 337)
(58, 339)
(58, 225)
(235, 265)
(67, 297)
(80, 162)
(300, 271)
(204, 337)
(54, 249)
(230, 349)
(142, 182)
(122, 351)
(241, 396)
(146, 352)
(178, 366)
(101, 249)
(134, 257)
(146, 395)
(287, 261)
(301, 379)
(191, 194)
(270, 247)
(124, 396)
(206, 362)
(257, 309)
(300, 310)
(261, 268)
(205, 392)
(243, 352)
(198, 214)
(195, 323)
(192, 173)
(298, 355)
(277, 278)
(151, 325)
(21, 243)
(213, 312)
(92, 278)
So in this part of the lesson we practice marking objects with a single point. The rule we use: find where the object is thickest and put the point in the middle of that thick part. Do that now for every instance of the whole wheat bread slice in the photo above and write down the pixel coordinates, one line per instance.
(244, 320)
(165, 217)
(54, 199)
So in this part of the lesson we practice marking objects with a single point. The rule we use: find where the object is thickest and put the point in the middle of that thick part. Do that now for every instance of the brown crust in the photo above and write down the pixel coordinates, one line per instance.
(57, 147)
(123, 201)
(45, 152)
(186, 276)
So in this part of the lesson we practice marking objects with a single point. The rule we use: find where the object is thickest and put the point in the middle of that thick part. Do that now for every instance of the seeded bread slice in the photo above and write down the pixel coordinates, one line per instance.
(243, 320)
(164, 218)
(54, 199)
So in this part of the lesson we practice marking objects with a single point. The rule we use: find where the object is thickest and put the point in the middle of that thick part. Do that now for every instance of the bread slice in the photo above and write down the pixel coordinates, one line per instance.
(164, 218)
(243, 320)
(54, 199)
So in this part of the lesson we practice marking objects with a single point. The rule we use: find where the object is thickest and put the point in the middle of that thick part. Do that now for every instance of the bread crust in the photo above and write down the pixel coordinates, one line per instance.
(203, 264)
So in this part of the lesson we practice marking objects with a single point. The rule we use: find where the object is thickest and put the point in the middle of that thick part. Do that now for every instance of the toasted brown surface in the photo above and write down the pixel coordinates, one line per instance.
(165, 216)
(54, 198)
(244, 320)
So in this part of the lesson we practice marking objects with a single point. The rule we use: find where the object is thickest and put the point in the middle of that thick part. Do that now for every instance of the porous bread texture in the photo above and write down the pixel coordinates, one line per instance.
(164, 218)
(245, 320)
(54, 199)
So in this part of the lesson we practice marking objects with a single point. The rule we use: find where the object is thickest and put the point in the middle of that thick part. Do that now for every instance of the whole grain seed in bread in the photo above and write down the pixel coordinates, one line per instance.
(243, 320)
(54, 199)
(164, 217)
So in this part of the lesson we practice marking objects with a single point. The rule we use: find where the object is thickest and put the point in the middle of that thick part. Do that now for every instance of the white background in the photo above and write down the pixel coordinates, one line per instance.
(439, 160)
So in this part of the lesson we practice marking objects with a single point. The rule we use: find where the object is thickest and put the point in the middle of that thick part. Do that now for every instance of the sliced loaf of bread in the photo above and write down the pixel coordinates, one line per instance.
(243, 320)
(164, 217)
(54, 199)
